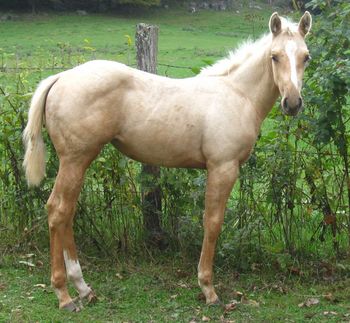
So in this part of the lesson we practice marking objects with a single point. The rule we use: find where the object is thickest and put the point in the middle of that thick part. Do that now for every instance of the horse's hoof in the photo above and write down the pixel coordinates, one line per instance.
(90, 298)
(217, 302)
(71, 307)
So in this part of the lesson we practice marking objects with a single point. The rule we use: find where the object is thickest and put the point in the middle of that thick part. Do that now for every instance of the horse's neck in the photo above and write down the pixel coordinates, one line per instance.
(255, 79)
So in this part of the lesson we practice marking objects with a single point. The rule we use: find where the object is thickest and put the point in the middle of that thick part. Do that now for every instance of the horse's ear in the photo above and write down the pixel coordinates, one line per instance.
(305, 24)
(275, 24)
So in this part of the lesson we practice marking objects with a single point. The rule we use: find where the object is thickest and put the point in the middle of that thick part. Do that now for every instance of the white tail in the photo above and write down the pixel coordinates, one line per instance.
(34, 158)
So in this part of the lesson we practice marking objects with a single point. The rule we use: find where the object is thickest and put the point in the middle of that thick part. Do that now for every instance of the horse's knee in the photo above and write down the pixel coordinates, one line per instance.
(214, 223)
(212, 226)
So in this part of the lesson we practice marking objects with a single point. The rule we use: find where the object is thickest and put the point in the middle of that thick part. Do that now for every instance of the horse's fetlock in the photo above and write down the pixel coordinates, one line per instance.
(58, 280)
(204, 278)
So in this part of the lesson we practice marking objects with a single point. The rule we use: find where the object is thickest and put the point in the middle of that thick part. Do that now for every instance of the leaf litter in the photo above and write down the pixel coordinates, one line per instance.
(309, 302)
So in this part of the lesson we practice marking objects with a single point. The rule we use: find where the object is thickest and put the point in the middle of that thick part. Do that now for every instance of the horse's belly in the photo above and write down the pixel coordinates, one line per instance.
(161, 154)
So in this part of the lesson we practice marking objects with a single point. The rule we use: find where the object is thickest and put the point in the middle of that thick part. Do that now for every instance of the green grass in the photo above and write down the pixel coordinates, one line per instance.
(167, 291)
(184, 39)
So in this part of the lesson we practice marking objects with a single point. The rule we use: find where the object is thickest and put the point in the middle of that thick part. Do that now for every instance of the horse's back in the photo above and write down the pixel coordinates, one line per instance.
(150, 118)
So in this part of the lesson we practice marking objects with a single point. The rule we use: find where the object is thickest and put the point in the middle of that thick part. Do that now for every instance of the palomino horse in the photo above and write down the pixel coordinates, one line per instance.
(209, 121)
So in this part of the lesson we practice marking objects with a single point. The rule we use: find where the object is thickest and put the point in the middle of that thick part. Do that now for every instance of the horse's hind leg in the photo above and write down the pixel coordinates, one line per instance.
(74, 272)
(61, 207)
(219, 184)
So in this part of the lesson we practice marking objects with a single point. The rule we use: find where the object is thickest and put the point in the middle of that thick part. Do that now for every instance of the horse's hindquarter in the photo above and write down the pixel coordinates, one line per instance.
(153, 119)
(80, 108)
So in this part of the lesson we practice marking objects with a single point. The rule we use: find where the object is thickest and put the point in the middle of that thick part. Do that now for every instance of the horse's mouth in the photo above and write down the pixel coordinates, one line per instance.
(289, 109)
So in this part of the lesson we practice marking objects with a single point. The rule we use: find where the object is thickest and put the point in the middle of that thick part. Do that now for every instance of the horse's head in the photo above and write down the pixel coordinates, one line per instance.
(289, 55)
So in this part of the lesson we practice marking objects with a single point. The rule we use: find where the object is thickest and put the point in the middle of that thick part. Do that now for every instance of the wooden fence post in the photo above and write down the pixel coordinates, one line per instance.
(146, 41)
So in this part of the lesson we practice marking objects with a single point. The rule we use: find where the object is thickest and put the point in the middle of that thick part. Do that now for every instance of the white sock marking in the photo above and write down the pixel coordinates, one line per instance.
(291, 47)
(75, 274)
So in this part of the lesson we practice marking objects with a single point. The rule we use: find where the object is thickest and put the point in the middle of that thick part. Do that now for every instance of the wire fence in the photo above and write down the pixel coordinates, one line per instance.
(6, 69)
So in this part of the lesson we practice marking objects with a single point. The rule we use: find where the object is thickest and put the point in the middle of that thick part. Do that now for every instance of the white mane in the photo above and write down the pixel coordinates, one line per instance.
(244, 51)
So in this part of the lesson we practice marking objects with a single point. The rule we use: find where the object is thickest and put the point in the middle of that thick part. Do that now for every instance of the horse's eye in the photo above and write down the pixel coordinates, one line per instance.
(274, 58)
(307, 58)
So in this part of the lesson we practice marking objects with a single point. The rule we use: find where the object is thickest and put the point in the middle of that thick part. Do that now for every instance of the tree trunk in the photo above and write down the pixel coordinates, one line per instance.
(147, 45)
(32, 4)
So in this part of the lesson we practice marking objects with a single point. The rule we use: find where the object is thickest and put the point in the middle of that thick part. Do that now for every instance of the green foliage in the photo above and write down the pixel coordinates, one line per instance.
(91, 5)
(329, 83)
(328, 97)
(146, 3)
(294, 193)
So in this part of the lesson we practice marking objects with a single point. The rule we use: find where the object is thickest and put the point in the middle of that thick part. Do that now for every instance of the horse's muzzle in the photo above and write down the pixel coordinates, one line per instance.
(290, 106)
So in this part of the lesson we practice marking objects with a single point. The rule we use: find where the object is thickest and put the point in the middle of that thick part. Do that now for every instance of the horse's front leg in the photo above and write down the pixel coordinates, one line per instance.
(219, 185)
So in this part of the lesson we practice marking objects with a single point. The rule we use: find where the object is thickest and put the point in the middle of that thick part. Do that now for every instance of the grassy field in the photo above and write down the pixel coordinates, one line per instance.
(167, 291)
(184, 39)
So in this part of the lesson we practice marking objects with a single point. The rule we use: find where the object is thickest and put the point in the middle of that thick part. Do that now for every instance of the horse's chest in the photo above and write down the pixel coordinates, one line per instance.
(243, 144)
(245, 154)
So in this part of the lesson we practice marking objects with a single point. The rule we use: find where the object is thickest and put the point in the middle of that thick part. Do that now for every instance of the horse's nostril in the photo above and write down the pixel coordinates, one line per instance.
(285, 103)
(300, 102)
